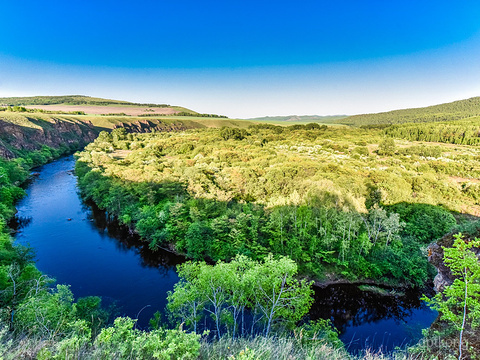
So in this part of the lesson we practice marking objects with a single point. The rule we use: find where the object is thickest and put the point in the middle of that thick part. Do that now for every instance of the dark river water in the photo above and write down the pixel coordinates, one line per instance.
(77, 246)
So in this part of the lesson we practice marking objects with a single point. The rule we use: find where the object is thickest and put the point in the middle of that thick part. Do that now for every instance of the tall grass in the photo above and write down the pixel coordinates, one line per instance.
(275, 348)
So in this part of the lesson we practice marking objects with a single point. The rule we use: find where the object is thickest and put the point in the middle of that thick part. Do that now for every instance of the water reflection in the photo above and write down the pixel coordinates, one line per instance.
(369, 319)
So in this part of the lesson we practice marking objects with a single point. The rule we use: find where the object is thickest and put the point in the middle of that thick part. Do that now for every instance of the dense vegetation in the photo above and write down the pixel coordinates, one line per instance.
(465, 132)
(45, 322)
(456, 332)
(185, 113)
(444, 112)
(329, 203)
(268, 291)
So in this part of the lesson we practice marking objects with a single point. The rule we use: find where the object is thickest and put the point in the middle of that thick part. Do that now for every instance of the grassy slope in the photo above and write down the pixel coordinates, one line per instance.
(444, 112)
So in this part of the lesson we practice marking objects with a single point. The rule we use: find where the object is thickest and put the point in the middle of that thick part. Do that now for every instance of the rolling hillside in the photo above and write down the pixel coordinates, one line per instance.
(444, 112)
(68, 100)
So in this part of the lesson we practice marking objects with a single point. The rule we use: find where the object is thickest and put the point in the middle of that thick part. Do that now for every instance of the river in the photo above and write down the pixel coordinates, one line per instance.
(77, 246)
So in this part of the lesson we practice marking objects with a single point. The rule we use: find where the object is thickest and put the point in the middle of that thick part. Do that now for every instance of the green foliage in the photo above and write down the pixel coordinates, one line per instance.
(189, 113)
(199, 239)
(422, 150)
(268, 289)
(387, 147)
(48, 313)
(89, 309)
(71, 346)
(317, 330)
(123, 341)
(425, 222)
(233, 133)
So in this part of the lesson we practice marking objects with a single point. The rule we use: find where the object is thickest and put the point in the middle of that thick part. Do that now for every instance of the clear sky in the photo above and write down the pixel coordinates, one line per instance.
(245, 58)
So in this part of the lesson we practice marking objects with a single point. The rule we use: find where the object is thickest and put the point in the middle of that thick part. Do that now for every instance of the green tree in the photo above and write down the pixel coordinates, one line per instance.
(48, 313)
(278, 294)
(225, 290)
(387, 147)
(459, 303)
(187, 301)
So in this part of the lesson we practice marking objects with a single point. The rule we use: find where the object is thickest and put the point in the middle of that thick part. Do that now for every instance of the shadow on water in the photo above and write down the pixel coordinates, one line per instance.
(126, 240)
(17, 223)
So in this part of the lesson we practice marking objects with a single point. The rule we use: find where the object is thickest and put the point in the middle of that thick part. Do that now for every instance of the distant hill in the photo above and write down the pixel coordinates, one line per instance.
(69, 104)
(444, 112)
(68, 100)
(300, 118)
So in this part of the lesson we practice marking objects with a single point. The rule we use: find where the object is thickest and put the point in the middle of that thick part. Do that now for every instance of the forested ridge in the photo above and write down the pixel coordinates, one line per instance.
(444, 112)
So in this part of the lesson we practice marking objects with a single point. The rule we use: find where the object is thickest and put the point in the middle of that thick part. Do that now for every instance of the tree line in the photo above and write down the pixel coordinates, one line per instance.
(463, 132)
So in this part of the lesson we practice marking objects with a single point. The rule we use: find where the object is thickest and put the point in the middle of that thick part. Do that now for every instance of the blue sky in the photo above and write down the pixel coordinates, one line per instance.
(245, 58)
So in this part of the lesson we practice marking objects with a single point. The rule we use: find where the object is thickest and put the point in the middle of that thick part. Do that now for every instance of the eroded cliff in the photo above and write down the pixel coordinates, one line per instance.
(33, 133)
(444, 276)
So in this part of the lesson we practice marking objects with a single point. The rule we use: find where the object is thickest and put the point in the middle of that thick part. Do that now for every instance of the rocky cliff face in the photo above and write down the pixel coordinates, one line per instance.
(31, 133)
(31, 136)
(435, 256)
(142, 126)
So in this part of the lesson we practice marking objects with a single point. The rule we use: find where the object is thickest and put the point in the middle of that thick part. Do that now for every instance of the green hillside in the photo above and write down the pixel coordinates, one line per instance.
(444, 112)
